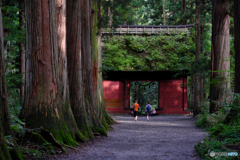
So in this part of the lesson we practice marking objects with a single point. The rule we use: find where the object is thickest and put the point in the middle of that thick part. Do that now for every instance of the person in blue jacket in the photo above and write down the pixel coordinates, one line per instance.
(149, 111)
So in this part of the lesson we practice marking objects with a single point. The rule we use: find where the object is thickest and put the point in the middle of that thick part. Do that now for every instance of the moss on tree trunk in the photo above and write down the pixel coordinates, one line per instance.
(46, 100)
(63, 72)
(75, 67)
(220, 87)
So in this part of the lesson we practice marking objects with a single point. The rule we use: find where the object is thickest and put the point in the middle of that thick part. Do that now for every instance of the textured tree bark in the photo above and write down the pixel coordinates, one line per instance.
(74, 56)
(63, 72)
(5, 120)
(183, 9)
(4, 114)
(22, 48)
(96, 64)
(183, 6)
(4, 153)
(5, 32)
(237, 45)
(191, 6)
(202, 78)
(94, 49)
(197, 83)
(220, 88)
(164, 15)
(87, 63)
(43, 100)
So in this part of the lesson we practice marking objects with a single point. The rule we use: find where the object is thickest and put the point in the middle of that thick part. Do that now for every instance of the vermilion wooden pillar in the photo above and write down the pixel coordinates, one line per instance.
(185, 94)
(127, 95)
(160, 95)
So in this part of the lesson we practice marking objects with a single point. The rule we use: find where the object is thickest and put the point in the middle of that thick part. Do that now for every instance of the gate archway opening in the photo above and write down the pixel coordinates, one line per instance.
(144, 92)
(172, 92)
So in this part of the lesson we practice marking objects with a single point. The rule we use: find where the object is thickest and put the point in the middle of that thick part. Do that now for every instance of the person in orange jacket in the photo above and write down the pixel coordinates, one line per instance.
(136, 106)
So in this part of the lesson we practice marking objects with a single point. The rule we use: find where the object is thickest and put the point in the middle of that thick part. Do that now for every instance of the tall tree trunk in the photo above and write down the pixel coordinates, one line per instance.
(75, 67)
(191, 4)
(5, 31)
(197, 57)
(237, 45)
(164, 15)
(63, 72)
(183, 6)
(4, 114)
(87, 62)
(22, 48)
(43, 100)
(220, 89)
(96, 64)
(203, 86)
(183, 9)
(110, 13)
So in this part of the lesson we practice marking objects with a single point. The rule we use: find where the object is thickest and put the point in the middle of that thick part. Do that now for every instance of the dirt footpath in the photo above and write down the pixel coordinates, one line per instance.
(162, 138)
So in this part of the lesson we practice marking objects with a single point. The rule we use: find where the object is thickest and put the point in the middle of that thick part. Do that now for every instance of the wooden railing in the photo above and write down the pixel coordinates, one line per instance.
(148, 30)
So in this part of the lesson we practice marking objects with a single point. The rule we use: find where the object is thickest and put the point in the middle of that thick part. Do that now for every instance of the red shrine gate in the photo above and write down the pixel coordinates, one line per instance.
(172, 93)
(172, 96)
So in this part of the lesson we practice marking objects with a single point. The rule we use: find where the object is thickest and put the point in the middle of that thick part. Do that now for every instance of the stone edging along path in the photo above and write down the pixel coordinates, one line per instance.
(162, 138)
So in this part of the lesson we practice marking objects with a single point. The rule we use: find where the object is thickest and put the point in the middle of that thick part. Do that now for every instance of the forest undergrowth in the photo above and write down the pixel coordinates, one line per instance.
(223, 127)
(35, 143)
(31, 142)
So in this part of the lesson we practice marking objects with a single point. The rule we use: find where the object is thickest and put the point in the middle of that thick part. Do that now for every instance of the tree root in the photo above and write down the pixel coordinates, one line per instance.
(41, 135)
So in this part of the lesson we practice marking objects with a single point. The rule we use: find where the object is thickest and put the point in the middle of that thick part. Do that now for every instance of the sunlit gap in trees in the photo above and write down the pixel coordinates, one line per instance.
(144, 92)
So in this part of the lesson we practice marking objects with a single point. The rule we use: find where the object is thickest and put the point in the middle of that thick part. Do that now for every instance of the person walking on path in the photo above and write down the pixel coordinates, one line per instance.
(136, 106)
(149, 110)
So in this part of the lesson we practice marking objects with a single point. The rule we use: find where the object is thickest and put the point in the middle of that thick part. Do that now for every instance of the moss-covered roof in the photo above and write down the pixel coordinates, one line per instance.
(150, 53)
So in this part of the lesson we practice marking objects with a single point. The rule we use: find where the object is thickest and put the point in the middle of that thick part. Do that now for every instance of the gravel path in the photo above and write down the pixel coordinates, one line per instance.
(162, 138)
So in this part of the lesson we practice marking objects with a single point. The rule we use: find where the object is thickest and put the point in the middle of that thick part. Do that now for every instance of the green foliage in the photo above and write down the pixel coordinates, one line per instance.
(9, 141)
(131, 53)
(144, 94)
(17, 125)
(189, 66)
(202, 121)
(228, 134)
(223, 127)
(11, 25)
(38, 151)
(207, 145)
(14, 34)
(150, 12)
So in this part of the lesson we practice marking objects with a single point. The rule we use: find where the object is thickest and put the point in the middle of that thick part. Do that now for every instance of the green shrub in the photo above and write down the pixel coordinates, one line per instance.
(230, 134)
(205, 147)
(202, 121)
(223, 127)
(207, 120)
(17, 125)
